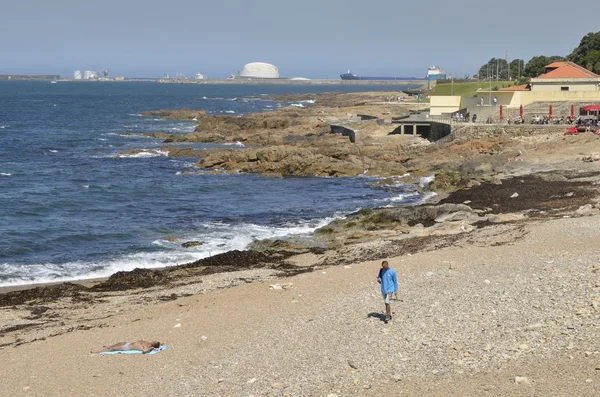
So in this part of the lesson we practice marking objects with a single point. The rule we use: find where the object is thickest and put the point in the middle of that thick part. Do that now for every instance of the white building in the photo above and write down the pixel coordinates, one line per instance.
(259, 70)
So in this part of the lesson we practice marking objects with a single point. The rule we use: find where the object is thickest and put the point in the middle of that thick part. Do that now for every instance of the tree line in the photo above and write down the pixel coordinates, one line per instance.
(587, 54)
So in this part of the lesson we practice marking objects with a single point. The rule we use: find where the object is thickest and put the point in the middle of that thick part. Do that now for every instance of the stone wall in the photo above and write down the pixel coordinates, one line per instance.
(480, 131)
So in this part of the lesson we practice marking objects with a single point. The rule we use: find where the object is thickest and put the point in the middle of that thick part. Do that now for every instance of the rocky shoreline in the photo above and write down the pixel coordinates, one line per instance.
(498, 274)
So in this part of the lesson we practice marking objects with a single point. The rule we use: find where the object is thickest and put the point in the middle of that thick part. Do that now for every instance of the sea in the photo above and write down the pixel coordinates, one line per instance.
(73, 208)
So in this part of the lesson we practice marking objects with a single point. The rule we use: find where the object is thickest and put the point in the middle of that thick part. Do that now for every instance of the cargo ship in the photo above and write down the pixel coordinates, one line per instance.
(433, 73)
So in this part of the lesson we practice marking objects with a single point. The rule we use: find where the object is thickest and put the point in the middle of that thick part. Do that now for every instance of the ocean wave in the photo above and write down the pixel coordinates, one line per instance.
(413, 198)
(426, 180)
(5, 174)
(298, 105)
(3, 127)
(145, 153)
(237, 143)
(214, 237)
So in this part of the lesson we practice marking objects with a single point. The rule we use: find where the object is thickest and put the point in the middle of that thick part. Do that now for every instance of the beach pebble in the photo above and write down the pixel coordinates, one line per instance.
(534, 327)
(178, 325)
(521, 380)
(514, 195)
(204, 337)
(252, 380)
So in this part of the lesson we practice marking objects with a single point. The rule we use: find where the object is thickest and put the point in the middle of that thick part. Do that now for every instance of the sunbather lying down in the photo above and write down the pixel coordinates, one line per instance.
(143, 345)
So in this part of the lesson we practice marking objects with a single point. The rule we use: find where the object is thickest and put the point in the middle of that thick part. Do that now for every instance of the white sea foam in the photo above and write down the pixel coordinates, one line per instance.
(53, 151)
(411, 197)
(403, 197)
(5, 174)
(298, 105)
(3, 127)
(215, 238)
(229, 111)
(426, 180)
(145, 153)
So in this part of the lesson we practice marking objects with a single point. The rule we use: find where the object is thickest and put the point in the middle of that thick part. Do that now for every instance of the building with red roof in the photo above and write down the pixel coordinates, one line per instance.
(566, 76)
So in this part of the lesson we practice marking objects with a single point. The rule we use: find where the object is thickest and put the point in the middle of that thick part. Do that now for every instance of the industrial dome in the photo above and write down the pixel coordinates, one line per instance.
(260, 70)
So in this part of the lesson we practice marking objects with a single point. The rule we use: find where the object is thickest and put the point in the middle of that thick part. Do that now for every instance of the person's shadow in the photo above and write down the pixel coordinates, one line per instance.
(380, 316)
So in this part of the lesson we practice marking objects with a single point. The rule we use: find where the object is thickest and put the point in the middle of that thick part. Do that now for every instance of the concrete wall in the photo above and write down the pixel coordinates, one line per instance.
(577, 85)
(549, 86)
(527, 97)
(444, 104)
(338, 129)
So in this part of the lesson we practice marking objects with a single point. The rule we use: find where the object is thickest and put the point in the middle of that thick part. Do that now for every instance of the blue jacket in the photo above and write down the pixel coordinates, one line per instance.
(389, 281)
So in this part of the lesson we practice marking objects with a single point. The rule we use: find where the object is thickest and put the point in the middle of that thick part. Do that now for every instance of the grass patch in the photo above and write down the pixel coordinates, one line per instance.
(468, 89)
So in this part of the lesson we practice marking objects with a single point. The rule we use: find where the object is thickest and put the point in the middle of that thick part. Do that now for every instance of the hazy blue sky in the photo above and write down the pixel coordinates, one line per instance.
(309, 38)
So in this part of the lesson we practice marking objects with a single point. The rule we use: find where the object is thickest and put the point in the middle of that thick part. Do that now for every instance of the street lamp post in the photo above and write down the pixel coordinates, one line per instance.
(490, 89)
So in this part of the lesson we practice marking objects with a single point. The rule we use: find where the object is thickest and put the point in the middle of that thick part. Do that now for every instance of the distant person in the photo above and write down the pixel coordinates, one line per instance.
(389, 286)
(495, 101)
(142, 345)
(481, 101)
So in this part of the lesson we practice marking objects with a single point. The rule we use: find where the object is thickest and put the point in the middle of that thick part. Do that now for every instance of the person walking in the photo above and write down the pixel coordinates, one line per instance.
(389, 285)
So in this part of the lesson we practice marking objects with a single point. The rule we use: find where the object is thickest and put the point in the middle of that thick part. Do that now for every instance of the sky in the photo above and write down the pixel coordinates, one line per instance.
(308, 38)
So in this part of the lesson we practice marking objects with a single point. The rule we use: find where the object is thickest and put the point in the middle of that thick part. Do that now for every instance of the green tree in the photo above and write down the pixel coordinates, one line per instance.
(495, 69)
(589, 43)
(592, 61)
(517, 67)
(537, 65)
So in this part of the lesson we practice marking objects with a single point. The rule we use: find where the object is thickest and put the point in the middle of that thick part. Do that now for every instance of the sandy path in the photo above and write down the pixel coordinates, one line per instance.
(508, 301)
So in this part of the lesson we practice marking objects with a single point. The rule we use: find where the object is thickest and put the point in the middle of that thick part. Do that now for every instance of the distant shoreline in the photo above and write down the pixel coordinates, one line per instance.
(226, 81)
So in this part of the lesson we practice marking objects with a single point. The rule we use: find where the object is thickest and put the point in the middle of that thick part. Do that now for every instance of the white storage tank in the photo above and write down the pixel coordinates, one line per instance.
(87, 74)
(260, 70)
(77, 75)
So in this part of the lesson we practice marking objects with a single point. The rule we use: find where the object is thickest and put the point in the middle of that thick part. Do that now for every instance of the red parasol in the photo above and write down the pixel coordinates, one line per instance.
(572, 112)
(501, 114)
(550, 112)
(521, 112)
(591, 108)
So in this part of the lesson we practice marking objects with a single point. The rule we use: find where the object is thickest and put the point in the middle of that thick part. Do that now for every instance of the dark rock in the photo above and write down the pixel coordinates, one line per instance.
(137, 278)
(190, 244)
(41, 294)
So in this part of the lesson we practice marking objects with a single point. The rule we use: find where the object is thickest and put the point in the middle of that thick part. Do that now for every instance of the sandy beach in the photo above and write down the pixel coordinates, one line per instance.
(507, 310)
